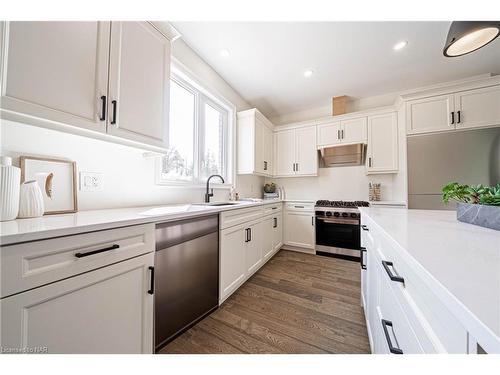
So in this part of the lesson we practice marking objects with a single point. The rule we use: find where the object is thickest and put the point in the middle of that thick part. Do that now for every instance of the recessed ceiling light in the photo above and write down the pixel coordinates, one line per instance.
(224, 53)
(400, 45)
(308, 73)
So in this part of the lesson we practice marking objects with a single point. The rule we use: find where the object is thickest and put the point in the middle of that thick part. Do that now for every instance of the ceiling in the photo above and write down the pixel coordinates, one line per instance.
(267, 60)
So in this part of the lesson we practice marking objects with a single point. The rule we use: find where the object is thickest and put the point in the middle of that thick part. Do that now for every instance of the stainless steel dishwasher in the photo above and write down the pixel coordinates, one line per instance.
(186, 275)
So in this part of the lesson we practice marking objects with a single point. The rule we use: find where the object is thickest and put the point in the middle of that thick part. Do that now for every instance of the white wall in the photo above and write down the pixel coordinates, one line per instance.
(128, 177)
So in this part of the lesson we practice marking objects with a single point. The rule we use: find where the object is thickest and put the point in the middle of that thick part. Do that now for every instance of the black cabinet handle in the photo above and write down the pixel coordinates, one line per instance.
(275, 222)
(246, 234)
(364, 227)
(338, 134)
(82, 255)
(249, 234)
(392, 348)
(392, 276)
(265, 165)
(363, 264)
(297, 167)
(274, 208)
(312, 221)
(113, 119)
(299, 206)
(370, 162)
(103, 108)
(458, 121)
(152, 281)
(342, 133)
(452, 117)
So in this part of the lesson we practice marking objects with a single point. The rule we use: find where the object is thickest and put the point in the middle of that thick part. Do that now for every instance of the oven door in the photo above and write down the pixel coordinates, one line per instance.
(333, 233)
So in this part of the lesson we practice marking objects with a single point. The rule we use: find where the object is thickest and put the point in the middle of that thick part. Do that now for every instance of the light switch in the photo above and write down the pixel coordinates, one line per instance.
(90, 181)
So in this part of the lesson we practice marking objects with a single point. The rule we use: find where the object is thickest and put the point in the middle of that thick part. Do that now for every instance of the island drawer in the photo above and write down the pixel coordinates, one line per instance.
(437, 329)
(28, 265)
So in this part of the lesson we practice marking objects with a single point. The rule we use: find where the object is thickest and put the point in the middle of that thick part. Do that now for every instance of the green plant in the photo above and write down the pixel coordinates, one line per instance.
(478, 194)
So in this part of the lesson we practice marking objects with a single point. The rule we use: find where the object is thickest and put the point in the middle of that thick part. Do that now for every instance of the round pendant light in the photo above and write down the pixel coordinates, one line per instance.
(467, 36)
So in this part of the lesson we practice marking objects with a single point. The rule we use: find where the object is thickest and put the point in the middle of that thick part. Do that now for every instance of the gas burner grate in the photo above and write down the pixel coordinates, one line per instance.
(326, 203)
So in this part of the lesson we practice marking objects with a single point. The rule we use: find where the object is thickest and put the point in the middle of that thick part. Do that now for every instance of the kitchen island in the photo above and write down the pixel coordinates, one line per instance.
(444, 266)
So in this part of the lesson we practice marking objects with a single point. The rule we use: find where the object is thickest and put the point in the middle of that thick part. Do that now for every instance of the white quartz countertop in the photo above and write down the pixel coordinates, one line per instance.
(23, 230)
(460, 261)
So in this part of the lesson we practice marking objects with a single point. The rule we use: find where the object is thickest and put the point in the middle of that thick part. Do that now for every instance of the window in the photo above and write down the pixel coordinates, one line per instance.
(198, 136)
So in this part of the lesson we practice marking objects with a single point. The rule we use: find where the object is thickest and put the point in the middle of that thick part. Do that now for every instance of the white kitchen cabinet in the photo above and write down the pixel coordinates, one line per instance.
(108, 310)
(109, 77)
(232, 259)
(139, 83)
(296, 152)
(348, 131)
(382, 153)
(255, 144)
(268, 237)
(477, 108)
(430, 114)
(253, 247)
(56, 71)
(299, 229)
(277, 232)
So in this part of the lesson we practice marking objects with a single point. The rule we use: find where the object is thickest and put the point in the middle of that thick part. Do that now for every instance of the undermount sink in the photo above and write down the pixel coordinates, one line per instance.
(216, 204)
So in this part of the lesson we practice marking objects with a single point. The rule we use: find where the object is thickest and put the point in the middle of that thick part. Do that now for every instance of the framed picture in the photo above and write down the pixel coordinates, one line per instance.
(57, 180)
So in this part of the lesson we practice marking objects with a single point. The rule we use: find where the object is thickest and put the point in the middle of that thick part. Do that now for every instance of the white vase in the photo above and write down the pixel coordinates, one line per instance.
(30, 200)
(10, 178)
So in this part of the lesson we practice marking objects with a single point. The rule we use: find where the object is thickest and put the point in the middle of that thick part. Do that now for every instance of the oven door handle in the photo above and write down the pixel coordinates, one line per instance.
(337, 221)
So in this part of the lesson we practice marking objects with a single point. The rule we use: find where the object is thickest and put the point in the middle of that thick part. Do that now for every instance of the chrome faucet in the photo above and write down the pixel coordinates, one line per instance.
(211, 193)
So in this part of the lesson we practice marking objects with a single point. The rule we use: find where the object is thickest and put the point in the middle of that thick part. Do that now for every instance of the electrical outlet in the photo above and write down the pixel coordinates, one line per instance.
(90, 181)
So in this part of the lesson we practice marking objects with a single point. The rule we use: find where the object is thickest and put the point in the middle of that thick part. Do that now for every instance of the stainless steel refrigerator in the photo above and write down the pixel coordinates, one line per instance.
(469, 157)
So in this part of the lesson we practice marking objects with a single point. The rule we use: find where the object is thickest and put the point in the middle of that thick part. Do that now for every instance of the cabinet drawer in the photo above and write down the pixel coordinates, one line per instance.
(396, 330)
(28, 265)
(437, 329)
(239, 216)
(272, 208)
(299, 206)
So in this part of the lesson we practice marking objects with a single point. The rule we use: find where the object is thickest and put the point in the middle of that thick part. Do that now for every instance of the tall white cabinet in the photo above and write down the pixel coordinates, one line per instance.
(382, 150)
(109, 77)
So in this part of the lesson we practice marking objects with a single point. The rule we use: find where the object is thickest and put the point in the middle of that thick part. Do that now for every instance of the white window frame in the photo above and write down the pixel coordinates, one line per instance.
(182, 76)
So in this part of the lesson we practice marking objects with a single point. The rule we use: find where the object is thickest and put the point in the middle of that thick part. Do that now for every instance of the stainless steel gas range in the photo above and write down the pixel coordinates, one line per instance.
(338, 227)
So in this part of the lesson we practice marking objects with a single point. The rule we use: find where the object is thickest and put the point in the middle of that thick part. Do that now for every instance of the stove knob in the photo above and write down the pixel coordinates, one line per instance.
(345, 214)
(354, 215)
(336, 214)
(328, 213)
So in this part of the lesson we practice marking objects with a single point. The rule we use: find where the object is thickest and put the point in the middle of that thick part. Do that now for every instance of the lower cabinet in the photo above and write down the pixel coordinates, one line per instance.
(108, 310)
(245, 247)
(299, 229)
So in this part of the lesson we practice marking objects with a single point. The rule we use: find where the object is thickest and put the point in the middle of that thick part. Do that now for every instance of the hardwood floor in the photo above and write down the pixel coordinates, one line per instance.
(296, 303)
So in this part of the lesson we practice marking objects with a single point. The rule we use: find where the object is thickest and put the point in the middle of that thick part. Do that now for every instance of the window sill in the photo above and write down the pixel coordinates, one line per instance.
(187, 185)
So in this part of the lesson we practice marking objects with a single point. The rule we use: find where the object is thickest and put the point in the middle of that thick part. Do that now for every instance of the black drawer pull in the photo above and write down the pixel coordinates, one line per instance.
(364, 227)
(392, 349)
(274, 208)
(275, 222)
(82, 255)
(103, 108)
(249, 234)
(392, 276)
(113, 120)
(363, 264)
(458, 113)
(152, 281)
(299, 206)
(452, 118)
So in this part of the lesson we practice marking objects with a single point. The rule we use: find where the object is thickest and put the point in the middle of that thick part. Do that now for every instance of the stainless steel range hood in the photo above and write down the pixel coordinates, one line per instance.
(342, 155)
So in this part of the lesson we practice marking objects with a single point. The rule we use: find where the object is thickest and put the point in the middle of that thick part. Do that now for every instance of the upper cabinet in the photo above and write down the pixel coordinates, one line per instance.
(139, 83)
(382, 153)
(296, 152)
(255, 144)
(57, 71)
(109, 77)
(459, 110)
(346, 131)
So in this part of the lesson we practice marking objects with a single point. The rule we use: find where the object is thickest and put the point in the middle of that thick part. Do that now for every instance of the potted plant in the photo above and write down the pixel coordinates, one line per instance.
(478, 205)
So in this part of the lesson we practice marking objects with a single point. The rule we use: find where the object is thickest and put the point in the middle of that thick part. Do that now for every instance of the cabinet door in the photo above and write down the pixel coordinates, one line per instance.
(253, 248)
(306, 151)
(268, 237)
(56, 71)
(108, 310)
(430, 114)
(268, 151)
(353, 130)
(299, 229)
(260, 166)
(139, 85)
(232, 259)
(284, 151)
(477, 108)
(277, 232)
(329, 134)
(382, 143)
